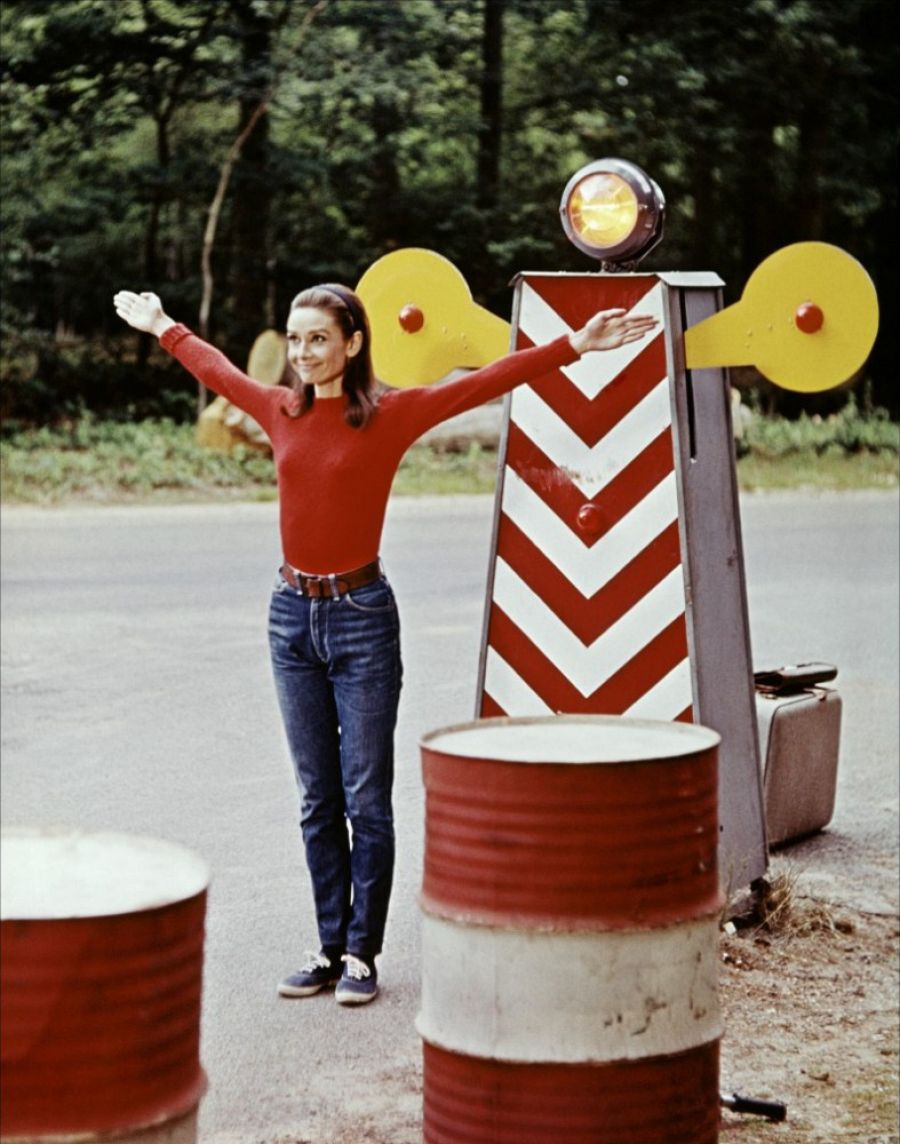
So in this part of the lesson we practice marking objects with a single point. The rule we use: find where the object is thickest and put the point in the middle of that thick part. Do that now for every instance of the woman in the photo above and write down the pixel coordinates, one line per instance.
(334, 635)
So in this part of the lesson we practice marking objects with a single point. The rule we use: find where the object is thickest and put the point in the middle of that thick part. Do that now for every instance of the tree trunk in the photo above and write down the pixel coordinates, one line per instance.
(481, 268)
(258, 113)
(491, 130)
(212, 225)
(151, 237)
(251, 204)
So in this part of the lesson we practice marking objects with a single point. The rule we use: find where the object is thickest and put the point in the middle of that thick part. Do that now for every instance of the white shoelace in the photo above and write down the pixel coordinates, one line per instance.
(314, 961)
(356, 970)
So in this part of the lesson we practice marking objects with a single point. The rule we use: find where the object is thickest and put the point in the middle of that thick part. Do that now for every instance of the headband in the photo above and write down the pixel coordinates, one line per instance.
(356, 313)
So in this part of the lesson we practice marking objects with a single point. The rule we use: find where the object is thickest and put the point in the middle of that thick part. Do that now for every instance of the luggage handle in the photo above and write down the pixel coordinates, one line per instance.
(793, 677)
(771, 1109)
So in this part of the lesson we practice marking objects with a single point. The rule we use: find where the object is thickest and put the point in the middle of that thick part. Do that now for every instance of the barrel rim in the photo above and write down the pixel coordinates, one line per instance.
(583, 925)
(696, 736)
(195, 871)
(493, 1059)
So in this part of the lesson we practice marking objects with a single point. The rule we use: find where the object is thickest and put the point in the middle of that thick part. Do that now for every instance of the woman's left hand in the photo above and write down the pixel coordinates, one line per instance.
(609, 329)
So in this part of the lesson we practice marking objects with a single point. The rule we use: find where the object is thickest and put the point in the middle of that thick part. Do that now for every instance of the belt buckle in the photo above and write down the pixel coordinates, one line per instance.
(312, 587)
(322, 587)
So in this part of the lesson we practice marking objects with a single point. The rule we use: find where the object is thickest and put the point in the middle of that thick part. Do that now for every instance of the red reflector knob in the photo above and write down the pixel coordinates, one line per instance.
(809, 318)
(411, 319)
(589, 520)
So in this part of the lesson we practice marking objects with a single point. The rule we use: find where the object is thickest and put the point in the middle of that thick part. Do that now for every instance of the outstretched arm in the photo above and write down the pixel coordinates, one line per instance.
(145, 312)
(607, 330)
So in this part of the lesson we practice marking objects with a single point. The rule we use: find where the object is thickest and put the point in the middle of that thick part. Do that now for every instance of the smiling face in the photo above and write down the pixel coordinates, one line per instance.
(318, 350)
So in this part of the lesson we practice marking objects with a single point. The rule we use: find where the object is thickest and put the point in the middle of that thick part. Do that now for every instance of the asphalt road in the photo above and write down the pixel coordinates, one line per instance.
(137, 697)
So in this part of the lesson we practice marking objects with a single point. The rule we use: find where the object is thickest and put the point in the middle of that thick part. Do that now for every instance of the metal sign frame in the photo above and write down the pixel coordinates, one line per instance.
(717, 624)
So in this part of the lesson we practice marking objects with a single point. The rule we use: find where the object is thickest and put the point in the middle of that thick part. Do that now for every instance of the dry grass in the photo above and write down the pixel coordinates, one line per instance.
(782, 912)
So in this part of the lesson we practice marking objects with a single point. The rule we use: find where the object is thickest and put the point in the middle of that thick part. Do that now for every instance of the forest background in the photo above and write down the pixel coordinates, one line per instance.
(350, 128)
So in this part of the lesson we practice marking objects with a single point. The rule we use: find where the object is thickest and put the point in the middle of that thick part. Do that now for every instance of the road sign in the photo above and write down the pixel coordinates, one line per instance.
(616, 582)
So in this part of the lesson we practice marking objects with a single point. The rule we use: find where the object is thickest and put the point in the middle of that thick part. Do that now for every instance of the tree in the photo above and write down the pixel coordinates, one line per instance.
(253, 189)
(144, 57)
(252, 203)
(451, 124)
(491, 130)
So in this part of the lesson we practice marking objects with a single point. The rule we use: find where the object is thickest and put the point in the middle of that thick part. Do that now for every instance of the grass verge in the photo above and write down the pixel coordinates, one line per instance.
(92, 461)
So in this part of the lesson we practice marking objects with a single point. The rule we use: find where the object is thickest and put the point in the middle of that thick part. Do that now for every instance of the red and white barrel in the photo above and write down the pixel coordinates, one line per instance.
(570, 909)
(101, 987)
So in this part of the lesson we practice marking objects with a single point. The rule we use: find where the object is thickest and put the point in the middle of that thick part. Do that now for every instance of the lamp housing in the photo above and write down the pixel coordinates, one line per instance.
(613, 211)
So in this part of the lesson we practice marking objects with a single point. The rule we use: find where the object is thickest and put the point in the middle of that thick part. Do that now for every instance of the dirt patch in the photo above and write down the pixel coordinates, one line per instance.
(386, 1109)
(809, 995)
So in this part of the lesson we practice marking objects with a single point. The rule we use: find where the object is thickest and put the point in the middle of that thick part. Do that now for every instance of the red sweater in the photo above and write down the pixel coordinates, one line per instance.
(333, 480)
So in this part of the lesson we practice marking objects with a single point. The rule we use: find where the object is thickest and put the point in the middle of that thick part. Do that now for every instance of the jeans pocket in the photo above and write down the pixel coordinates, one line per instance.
(375, 597)
(280, 583)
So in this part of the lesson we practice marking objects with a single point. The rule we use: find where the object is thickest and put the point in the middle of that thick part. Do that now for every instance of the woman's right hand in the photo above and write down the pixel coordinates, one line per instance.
(143, 312)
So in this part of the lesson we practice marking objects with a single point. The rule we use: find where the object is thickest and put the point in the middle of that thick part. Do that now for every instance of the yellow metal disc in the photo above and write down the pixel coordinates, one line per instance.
(807, 320)
(221, 425)
(423, 319)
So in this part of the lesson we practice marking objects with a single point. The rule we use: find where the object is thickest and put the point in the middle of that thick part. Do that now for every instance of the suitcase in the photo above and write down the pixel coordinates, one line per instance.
(799, 737)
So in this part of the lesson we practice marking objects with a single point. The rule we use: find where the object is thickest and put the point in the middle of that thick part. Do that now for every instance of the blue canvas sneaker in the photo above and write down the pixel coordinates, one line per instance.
(317, 972)
(359, 982)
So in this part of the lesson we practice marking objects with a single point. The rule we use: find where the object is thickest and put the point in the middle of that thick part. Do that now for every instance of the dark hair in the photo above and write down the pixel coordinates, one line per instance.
(359, 382)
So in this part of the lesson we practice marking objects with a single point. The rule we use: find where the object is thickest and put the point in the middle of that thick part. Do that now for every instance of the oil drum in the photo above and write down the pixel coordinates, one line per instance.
(570, 904)
(101, 987)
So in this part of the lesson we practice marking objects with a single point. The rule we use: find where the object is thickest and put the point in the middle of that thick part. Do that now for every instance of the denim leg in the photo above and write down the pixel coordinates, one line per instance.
(306, 699)
(367, 763)
(363, 638)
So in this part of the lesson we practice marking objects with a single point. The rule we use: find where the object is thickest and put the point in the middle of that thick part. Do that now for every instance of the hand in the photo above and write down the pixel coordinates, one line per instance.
(142, 311)
(609, 329)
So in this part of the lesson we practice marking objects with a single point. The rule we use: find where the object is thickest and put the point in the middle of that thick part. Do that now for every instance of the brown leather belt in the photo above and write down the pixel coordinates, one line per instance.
(332, 586)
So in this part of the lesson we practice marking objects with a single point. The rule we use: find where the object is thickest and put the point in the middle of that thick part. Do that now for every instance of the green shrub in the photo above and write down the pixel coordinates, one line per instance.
(44, 379)
(103, 460)
(86, 458)
(848, 431)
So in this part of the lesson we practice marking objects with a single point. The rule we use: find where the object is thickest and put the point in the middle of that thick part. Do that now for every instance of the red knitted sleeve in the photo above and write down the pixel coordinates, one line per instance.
(423, 407)
(217, 373)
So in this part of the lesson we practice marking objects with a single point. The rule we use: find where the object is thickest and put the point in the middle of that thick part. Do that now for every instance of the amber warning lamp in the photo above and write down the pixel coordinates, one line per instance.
(613, 211)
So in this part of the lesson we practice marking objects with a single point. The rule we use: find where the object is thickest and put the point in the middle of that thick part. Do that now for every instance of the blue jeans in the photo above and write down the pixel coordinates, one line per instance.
(338, 674)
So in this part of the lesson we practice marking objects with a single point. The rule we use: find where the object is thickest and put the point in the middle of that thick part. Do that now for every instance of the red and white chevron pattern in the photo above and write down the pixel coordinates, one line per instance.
(589, 622)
